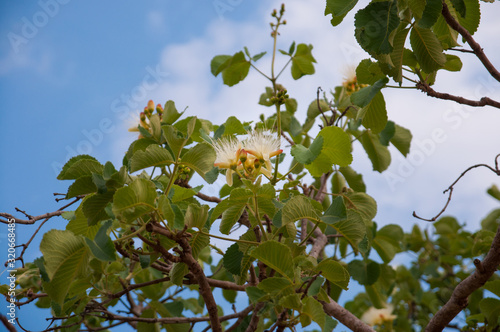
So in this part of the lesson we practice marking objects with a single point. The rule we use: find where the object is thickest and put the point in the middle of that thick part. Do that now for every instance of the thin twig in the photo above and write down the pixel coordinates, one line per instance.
(495, 170)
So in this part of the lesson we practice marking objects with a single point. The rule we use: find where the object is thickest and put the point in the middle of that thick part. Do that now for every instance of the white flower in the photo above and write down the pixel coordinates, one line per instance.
(263, 145)
(375, 316)
(228, 153)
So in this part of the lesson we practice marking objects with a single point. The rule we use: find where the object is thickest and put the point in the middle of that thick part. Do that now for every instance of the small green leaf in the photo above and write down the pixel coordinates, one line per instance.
(307, 155)
(232, 259)
(291, 301)
(196, 216)
(364, 272)
(235, 69)
(66, 258)
(431, 13)
(375, 114)
(490, 307)
(354, 179)
(453, 63)
(387, 133)
(135, 200)
(199, 241)
(494, 192)
(230, 217)
(234, 126)
(302, 61)
(79, 224)
(200, 158)
(387, 242)
(313, 310)
(472, 16)
(153, 156)
(336, 150)
(379, 154)
(374, 25)
(275, 255)
(368, 72)
(364, 96)
(94, 207)
(79, 166)
(82, 186)
(219, 63)
(102, 247)
(402, 139)
(170, 113)
(336, 212)
(177, 273)
(334, 272)
(276, 286)
(297, 208)
(427, 49)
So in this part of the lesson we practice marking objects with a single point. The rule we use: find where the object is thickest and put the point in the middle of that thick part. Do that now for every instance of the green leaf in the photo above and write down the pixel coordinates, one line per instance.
(417, 7)
(94, 207)
(200, 158)
(494, 192)
(459, 6)
(402, 139)
(79, 166)
(313, 310)
(379, 154)
(102, 247)
(232, 259)
(291, 301)
(364, 272)
(230, 217)
(431, 13)
(397, 53)
(490, 307)
(276, 286)
(353, 228)
(336, 150)
(297, 208)
(234, 126)
(178, 194)
(82, 186)
(354, 179)
(368, 72)
(362, 203)
(453, 63)
(336, 212)
(302, 61)
(493, 286)
(427, 49)
(375, 114)
(177, 273)
(135, 200)
(153, 156)
(275, 255)
(175, 139)
(446, 34)
(472, 16)
(79, 225)
(66, 259)
(387, 242)
(387, 133)
(218, 63)
(307, 155)
(339, 7)
(235, 69)
(364, 96)
(374, 24)
(334, 272)
(196, 216)
(198, 242)
(170, 113)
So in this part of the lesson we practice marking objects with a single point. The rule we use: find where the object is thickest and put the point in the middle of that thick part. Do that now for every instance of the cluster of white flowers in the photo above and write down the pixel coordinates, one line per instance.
(249, 157)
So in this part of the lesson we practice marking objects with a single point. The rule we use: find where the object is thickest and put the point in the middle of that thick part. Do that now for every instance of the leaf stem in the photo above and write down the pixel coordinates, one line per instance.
(257, 216)
(228, 239)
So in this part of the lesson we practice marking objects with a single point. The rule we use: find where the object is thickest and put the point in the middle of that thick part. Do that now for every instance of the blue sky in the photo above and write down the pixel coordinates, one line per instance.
(73, 75)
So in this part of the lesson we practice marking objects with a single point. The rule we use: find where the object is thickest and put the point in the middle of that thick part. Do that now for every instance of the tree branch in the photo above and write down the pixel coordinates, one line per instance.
(344, 316)
(459, 298)
(484, 101)
(478, 50)
(195, 268)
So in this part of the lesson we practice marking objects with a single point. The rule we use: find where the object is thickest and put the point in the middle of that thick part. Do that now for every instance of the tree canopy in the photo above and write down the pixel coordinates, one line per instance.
(140, 246)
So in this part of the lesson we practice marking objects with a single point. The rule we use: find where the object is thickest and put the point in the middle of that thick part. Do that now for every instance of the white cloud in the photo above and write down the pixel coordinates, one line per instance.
(471, 134)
